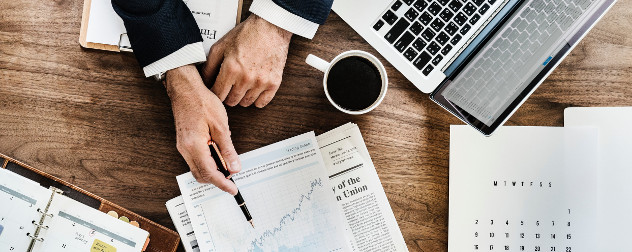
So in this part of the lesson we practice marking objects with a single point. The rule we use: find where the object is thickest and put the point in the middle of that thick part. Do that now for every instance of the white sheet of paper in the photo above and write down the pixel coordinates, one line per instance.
(182, 222)
(77, 227)
(359, 192)
(214, 18)
(287, 191)
(532, 182)
(104, 25)
(19, 200)
(615, 175)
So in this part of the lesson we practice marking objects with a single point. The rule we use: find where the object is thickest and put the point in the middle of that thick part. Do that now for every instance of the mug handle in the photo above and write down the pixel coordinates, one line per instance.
(317, 63)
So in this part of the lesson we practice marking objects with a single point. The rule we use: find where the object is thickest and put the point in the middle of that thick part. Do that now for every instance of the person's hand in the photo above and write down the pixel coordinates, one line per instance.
(199, 116)
(246, 65)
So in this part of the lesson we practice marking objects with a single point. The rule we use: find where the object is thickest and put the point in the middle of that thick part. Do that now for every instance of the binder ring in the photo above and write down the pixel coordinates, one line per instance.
(43, 213)
(35, 238)
(39, 226)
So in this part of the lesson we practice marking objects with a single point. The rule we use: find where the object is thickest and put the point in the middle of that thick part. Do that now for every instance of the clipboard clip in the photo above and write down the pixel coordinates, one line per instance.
(124, 45)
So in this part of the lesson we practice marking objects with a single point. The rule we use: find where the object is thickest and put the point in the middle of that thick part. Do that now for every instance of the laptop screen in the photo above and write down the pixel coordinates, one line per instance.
(510, 63)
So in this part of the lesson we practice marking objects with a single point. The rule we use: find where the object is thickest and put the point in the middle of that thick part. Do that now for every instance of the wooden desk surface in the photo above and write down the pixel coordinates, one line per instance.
(90, 117)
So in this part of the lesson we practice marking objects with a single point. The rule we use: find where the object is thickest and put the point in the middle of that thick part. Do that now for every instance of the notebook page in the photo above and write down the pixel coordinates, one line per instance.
(19, 200)
(523, 189)
(615, 173)
(77, 227)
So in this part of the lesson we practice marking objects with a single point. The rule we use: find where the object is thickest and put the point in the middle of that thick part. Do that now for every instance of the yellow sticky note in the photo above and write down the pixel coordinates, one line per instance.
(100, 246)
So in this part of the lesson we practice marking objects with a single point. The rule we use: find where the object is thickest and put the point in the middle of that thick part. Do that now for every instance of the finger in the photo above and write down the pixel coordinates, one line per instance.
(192, 167)
(236, 94)
(207, 169)
(265, 97)
(226, 148)
(250, 97)
(217, 178)
(225, 81)
(213, 62)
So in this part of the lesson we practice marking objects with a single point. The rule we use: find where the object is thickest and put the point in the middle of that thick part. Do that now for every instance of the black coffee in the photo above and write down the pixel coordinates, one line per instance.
(354, 83)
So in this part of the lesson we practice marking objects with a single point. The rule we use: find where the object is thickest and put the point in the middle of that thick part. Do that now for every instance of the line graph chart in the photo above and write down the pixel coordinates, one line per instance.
(292, 211)
(289, 217)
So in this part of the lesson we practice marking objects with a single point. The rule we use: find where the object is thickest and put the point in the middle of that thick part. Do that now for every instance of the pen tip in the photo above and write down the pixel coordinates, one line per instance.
(251, 224)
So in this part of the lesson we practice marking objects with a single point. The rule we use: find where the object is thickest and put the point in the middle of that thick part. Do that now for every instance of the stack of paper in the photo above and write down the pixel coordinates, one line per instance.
(543, 188)
(305, 193)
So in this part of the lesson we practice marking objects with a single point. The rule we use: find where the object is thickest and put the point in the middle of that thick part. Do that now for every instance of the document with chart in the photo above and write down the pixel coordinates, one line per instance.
(304, 193)
(523, 189)
(287, 191)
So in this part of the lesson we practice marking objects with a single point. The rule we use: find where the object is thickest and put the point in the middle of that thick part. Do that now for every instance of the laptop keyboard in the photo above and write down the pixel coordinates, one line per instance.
(502, 70)
(429, 29)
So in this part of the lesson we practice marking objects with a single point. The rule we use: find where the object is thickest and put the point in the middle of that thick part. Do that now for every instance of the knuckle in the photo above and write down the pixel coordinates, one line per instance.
(247, 101)
(206, 176)
(274, 84)
(248, 78)
(185, 144)
(260, 80)
(231, 67)
(222, 129)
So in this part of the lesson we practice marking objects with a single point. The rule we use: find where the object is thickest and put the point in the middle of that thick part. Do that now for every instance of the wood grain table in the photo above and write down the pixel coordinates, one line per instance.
(90, 117)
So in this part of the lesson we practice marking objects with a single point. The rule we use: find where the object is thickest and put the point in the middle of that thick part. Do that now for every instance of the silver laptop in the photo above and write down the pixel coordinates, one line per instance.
(479, 59)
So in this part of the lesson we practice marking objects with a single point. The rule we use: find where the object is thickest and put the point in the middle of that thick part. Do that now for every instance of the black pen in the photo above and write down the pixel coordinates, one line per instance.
(221, 166)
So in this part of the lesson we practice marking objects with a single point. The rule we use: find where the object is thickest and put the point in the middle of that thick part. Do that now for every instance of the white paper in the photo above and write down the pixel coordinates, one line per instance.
(525, 186)
(19, 200)
(214, 18)
(287, 191)
(370, 223)
(180, 217)
(615, 174)
(104, 25)
(77, 227)
(72, 226)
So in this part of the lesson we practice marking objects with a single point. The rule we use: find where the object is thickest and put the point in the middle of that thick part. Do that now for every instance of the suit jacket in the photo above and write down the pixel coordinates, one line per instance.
(164, 34)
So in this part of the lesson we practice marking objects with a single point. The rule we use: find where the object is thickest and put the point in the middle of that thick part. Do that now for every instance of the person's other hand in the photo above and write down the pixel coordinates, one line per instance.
(199, 116)
(246, 65)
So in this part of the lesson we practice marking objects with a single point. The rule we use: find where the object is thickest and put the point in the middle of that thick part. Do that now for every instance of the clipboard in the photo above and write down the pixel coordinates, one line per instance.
(123, 41)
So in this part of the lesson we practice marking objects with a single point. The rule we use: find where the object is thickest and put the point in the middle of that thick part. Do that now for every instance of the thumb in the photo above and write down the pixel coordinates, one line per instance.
(210, 69)
(227, 150)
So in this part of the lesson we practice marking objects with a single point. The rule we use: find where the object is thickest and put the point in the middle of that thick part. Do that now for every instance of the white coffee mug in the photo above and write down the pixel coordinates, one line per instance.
(325, 67)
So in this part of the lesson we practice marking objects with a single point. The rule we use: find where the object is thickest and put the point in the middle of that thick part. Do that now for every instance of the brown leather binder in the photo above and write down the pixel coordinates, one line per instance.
(161, 239)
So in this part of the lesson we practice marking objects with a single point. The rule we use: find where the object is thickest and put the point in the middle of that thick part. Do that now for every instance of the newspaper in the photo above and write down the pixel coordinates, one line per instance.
(367, 220)
(370, 222)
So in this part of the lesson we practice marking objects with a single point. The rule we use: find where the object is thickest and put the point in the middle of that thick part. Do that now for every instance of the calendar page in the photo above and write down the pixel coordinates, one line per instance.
(19, 200)
(77, 227)
(523, 189)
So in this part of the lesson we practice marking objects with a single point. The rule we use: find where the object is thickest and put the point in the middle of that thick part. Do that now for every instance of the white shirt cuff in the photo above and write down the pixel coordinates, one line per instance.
(188, 54)
(284, 19)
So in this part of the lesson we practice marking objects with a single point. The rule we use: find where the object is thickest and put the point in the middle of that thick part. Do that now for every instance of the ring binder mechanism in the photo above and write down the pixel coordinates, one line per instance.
(34, 238)
(40, 225)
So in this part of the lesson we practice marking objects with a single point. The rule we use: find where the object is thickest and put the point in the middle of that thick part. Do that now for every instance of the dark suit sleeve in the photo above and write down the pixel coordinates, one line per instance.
(312, 10)
(301, 17)
(157, 28)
